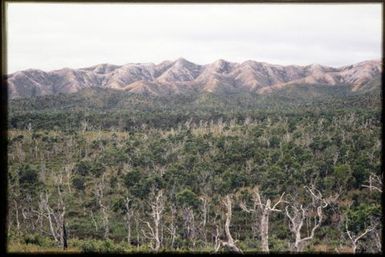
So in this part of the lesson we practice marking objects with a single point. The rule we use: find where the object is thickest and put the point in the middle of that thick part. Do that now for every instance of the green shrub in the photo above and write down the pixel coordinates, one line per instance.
(37, 239)
(101, 246)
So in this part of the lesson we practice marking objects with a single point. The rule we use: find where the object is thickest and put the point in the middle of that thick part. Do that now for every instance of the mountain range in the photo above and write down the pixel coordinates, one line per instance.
(182, 76)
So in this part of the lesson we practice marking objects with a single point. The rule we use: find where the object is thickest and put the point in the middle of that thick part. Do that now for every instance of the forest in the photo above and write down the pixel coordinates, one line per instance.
(107, 171)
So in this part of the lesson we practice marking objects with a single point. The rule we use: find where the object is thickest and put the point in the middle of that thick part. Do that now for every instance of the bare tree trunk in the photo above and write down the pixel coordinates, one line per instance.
(205, 211)
(355, 238)
(299, 215)
(104, 209)
(17, 216)
(157, 207)
(375, 183)
(216, 238)
(64, 236)
(173, 227)
(137, 232)
(49, 213)
(265, 231)
(68, 170)
(128, 220)
(61, 223)
(94, 221)
(230, 241)
(264, 220)
(296, 220)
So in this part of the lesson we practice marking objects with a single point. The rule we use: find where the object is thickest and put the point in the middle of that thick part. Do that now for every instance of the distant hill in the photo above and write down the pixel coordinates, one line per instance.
(184, 77)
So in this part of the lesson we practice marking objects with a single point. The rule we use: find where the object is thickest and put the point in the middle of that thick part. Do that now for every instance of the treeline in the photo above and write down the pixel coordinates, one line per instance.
(101, 109)
(279, 181)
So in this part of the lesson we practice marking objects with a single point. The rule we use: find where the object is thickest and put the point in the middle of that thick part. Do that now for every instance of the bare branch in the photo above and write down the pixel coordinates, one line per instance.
(374, 179)
(363, 234)
(278, 202)
(242, 205)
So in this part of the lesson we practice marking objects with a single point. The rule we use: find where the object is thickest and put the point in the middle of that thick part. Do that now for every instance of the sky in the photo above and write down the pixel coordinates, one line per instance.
(53, 36)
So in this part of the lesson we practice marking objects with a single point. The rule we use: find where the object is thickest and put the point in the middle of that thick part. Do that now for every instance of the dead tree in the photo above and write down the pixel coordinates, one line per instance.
(16, 206)
(94, 221)
(377, 239)
(266, 209)
(189, 224)
(230, 243)
(375, 183)
(55, 217)
(69, 175)
(205, 211)
(355, 238)
(172, 228)
(99, 192)
(300, 213)
(128, 219)
(157, 208)
(61, 206)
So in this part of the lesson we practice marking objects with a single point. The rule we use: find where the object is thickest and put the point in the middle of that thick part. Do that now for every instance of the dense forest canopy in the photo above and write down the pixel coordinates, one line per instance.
(108, 171)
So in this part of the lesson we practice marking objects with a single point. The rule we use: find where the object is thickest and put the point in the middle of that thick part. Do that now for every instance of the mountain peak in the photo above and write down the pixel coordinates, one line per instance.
(181, 60)
(220, 61)
(181, 75)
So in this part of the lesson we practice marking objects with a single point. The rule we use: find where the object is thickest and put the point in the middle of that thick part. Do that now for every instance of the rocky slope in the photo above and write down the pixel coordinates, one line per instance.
(181, 76)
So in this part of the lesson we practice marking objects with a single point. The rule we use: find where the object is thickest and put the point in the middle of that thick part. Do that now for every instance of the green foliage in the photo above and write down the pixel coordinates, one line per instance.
(343, 176)
(187, 198)
(78, 183)
(98, 246)
(194, 149)
(359, 216)
(86, 167)
(132, 178)
(37, 239)
(28, 176)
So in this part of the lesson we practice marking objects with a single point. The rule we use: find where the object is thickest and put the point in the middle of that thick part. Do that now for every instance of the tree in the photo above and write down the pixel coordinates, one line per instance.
(299, 213)
(188, 200)
(354, 238)
(230, 243)
(55, 217)
(104, 208)
(157, 208)
(375, 183)
(266, 209)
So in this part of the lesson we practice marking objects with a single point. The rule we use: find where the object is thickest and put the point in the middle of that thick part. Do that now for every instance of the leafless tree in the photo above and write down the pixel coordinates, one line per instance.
(172, 228)
(128, 217)
(157, 208)
(354, 238)
(299, 214)
(230, 243)
(99, 193)
(94, 221)
(375, 183)
(376, 238)
(84, 125)
(266, 209)
(205, 211)
(55, 217)
(69, 175)
(189, 224)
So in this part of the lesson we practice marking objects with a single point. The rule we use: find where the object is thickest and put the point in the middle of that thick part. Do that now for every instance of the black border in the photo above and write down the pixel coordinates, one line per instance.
(4, 104)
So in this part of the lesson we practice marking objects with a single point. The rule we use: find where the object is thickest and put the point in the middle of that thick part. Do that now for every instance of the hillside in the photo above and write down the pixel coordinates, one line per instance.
(184, 77)
(143, 167)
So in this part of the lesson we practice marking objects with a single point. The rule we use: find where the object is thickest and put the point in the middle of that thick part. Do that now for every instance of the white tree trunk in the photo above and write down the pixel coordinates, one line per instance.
(265, 231)
(230, 241)
(264, 219)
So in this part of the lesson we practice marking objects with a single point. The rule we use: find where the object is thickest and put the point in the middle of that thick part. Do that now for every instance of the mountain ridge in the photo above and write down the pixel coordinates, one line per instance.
(181, 76)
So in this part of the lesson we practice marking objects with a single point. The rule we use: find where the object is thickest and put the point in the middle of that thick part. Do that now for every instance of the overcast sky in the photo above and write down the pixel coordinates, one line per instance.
(53, 36)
